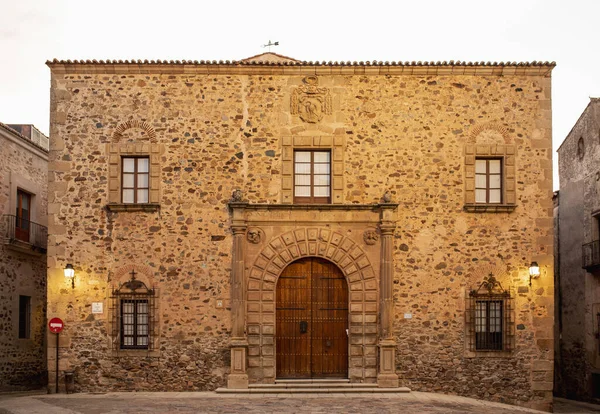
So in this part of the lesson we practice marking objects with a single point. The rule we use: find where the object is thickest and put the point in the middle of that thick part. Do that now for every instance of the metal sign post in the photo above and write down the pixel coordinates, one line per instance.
(56, 325)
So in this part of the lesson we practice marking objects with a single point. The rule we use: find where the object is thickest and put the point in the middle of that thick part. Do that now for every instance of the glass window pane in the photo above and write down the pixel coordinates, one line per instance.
(495, 181)
(142, 165)
(143, 340)
(142, 196)
(321, 180)
(25, 202)
(302, 191)
(302, 168)
(480, 166)
(128, 196)
(321, 191)
(128, 165)
(128, 180)
(480, 196)
(128, 341)
(495, 196)
(127, 307)
(494, 166)
(302, 156)
(321, 168)
(322, 156)
(142, 181)
(302, 179)
(480, 181)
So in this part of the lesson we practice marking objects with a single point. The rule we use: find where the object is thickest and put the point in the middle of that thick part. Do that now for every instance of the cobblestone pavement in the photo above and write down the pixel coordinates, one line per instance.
(197, 402)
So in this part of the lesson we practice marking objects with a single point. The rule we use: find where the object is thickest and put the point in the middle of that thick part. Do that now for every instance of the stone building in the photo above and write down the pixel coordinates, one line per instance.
(234, 223)
(578, 259)
(23, 241)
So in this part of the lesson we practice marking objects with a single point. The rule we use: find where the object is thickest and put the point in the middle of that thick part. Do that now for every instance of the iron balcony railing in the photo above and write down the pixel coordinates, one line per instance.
(591, 254)
(18, 229)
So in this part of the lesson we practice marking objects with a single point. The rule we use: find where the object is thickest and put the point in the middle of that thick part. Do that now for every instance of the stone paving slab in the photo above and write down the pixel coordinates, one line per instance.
(198, 402)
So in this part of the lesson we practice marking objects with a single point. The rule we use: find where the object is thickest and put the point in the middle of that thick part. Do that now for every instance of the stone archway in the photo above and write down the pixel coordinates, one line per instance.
(363, 298)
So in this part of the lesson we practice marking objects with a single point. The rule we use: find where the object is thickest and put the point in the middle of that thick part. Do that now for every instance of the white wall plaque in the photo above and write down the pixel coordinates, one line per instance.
(408, 316)
(97, 307)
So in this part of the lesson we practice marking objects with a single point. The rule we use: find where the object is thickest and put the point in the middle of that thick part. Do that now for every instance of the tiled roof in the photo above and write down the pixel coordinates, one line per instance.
(23, 137)
(291, 62)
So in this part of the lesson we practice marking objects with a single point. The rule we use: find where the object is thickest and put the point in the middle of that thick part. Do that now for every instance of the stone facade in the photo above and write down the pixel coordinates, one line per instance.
(24, 167)
(402, 226)
(578, 257)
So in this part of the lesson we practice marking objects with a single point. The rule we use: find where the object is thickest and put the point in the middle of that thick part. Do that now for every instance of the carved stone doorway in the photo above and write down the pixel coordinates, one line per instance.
(312, 320)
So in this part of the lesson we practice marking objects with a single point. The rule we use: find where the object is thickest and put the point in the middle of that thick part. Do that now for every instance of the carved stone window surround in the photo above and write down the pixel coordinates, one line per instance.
(116, 153)
(334, 143)
(507, 153)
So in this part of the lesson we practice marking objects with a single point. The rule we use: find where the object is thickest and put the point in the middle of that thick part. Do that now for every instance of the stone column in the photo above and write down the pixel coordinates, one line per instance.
(387, 377)
(238, 377)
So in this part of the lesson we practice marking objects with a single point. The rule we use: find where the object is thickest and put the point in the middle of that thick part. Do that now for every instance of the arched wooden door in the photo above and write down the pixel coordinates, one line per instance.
(312, 321)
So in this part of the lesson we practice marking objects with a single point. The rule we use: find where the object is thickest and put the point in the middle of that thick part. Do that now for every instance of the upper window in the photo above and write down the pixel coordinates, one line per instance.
(135, 180)
(488, 181)
(312, 177)
(23, 216)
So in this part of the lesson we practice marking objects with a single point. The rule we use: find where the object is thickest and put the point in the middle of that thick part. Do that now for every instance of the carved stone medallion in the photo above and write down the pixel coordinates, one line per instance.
(254, 235)
(370, 237)
(311, 102)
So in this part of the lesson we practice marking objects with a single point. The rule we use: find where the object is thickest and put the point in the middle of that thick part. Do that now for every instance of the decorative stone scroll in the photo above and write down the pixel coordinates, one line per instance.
(311, 102)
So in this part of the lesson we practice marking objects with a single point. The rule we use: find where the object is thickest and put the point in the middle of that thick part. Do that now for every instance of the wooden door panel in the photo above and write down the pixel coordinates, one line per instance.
(315, 291)
(293, 307)
(330, 320)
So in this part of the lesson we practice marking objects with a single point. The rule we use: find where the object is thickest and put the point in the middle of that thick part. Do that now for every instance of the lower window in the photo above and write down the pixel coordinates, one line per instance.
(134, 324)
(488, 325)
(489, 318)
(133, 310)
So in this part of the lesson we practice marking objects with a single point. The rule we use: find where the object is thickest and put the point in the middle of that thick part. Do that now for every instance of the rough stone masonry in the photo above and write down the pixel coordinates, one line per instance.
(403, 223)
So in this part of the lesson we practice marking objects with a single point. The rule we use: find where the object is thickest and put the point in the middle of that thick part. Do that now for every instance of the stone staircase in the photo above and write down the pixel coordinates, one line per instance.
(312, 386)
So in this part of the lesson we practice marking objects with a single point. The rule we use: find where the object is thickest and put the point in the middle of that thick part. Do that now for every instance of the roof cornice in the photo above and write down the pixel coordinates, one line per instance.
(299, 68)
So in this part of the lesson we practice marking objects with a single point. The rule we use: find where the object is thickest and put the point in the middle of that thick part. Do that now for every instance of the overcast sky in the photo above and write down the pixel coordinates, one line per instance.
(33, 31)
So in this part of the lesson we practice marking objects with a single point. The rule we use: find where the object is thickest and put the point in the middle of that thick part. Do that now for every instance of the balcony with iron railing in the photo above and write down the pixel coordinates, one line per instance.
(591, 255)
(24, 235)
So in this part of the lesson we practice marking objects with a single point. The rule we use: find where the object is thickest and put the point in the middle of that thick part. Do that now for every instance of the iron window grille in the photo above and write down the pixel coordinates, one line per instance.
(312, 177)
(133, 310)
(488, 181)
(490, 317)
(135, 176)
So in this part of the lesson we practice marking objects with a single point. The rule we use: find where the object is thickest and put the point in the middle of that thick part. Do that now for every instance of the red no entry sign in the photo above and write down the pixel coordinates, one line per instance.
(56, 325)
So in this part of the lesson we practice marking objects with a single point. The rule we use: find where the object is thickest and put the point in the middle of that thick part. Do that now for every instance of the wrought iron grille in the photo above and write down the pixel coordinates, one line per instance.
(590, 254)
(133, 308)
(490, 317)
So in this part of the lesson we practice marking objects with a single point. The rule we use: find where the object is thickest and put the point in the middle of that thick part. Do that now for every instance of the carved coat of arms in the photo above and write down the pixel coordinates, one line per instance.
(311, 102)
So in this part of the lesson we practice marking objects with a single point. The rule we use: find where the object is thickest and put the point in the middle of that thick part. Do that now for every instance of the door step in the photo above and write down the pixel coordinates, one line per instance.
(313, 386)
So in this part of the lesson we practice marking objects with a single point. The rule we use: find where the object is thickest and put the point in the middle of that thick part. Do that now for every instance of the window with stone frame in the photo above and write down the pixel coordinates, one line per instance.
(490, 178)
(135, 180)
(312, 177)
(489, 318)
(133, 310)
(127, 179)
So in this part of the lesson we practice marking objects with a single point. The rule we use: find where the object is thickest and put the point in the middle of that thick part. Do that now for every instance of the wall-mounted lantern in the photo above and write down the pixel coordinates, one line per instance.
(70, 274)
(534, 271)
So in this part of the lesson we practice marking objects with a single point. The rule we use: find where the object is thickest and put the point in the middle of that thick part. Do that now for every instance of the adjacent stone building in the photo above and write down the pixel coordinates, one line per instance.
(233, 223)
(578, 259)
(23, 241)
